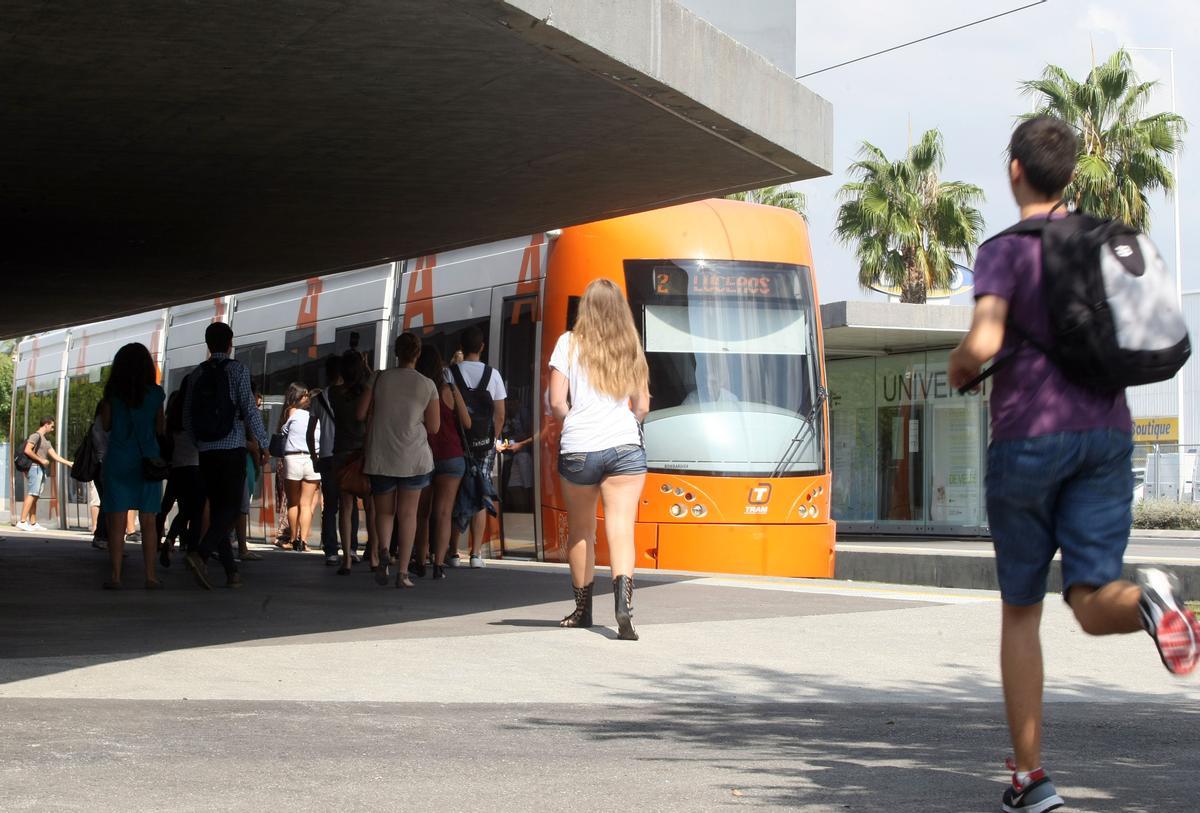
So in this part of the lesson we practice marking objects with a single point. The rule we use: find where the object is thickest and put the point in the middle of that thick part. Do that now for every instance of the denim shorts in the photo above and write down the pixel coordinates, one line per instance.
(35, 480)
(450, 467)
(384, 484)
(589, 468)
(1071, 491)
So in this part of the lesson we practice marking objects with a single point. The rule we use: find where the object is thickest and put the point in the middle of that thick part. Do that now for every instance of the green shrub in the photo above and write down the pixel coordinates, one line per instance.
(1167, 515)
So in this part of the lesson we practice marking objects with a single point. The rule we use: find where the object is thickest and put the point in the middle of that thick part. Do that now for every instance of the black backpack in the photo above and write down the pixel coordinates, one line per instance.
(213, 410)
(1114, 316)
(480, 407)
(23, 462)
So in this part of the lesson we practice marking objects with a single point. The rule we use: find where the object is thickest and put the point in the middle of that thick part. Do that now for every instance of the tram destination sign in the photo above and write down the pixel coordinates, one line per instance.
(717, 279)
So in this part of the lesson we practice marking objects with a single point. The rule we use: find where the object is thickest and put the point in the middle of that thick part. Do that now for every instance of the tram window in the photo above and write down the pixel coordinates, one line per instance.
(447, 337)
(731, 348)
(572, 311)
(303, 360)
(254, 356)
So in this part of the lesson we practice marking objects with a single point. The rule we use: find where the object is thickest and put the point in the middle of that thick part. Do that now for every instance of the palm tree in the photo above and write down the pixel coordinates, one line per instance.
(780, 196)
(1122, 153)
(905, 222)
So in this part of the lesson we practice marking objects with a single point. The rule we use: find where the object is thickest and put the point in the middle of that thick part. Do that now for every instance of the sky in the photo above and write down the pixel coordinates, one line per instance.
(966, 85)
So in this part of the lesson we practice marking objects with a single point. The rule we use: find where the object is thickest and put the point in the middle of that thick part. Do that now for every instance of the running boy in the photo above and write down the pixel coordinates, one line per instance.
(1059, 471)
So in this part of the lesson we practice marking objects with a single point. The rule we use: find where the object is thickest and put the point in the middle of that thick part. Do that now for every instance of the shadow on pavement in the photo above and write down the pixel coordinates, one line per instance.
(945, 753)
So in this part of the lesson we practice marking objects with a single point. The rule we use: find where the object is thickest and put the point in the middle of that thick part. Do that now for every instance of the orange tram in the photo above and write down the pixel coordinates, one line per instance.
(723, 295)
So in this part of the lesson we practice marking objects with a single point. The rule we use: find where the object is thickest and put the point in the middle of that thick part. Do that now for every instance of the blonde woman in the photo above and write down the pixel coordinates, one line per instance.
(599, 393)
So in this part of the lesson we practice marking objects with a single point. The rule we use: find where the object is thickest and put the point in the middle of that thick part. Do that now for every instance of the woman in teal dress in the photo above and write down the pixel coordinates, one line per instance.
(132, 413)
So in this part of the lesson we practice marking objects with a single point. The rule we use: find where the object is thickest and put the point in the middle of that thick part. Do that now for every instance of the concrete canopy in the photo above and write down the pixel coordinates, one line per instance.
(158, 153)
(856, 329)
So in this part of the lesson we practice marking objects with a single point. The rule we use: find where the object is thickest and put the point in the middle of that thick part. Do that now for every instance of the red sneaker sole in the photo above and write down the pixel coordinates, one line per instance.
(1177, 641)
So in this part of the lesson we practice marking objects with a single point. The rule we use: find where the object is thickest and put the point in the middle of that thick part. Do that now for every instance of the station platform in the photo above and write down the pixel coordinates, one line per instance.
(309, 691)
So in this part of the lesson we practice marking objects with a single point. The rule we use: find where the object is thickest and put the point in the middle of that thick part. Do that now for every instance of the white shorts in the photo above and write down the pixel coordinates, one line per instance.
(93, 496)
(300, 467)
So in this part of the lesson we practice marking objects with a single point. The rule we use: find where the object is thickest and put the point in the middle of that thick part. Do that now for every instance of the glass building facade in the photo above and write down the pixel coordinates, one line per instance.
(908, 450)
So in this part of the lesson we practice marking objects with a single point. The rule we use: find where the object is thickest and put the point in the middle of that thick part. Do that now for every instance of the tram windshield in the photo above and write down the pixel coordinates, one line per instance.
(734, 366)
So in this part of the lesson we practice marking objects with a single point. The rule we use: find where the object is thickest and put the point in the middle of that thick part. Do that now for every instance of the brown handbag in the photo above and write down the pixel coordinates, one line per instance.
(350, 477)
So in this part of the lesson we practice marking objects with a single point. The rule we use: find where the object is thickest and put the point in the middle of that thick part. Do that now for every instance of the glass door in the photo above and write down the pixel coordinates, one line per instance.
(901, 454)
(515, 320)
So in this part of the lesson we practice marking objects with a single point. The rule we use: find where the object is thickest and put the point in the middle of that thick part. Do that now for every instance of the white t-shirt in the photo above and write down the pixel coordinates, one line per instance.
(596, 421)
(472, 373)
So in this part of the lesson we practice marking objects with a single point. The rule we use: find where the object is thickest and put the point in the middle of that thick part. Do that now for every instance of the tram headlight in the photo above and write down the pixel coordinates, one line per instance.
(813, 511)
(666, 488)
(678, 510)
(803, 511)
(699, 511)
(678, 491)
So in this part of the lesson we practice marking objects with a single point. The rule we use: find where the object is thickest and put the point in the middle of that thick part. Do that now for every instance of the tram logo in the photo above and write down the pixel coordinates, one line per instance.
(760, 495)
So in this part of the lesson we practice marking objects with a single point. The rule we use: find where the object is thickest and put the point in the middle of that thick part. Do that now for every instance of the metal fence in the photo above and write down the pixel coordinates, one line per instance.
(1166, 471)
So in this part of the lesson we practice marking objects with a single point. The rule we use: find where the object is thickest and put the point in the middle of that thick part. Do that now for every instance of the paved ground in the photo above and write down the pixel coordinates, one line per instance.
(308, 691)
(1181, 550)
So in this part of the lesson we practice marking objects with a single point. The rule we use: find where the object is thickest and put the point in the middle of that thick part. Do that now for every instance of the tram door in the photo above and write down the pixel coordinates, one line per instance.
(514, 336)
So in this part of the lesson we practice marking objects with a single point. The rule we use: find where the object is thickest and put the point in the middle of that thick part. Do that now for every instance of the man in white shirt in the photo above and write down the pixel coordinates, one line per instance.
(472, 369)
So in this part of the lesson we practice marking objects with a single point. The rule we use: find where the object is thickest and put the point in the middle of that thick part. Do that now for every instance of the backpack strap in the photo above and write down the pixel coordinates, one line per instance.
(485, 379)
(310, 434)
(458, 378)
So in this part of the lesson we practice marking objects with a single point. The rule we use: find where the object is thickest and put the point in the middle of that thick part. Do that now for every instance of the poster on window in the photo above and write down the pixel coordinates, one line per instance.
(956, 476)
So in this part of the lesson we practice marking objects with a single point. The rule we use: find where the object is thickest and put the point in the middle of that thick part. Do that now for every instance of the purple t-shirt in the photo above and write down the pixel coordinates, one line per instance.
(1030, 396)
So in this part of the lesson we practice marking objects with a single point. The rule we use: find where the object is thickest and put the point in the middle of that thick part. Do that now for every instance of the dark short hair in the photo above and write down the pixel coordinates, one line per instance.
(45, 422)
(472, 340)
(219, 337)
(1047, 149)
(408, 347)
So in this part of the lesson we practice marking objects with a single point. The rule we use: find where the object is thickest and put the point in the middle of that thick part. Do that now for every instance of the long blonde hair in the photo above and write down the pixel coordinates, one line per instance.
(607, 344)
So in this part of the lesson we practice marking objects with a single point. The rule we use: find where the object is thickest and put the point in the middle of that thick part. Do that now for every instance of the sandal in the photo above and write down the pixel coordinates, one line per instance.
(381, 575)
(403, 581)
(283, 544)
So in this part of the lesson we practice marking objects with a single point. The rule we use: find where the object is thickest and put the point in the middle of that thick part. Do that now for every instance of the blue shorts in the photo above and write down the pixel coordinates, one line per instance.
(1071, 491)
(589, 468)
(450, 467)
(383, 484)
(35, 481)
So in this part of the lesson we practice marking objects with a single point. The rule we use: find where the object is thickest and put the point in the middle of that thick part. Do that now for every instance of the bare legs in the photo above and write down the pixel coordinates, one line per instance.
(620, 494)
(117, 522)
(301, 498)
(581, 531)
(445, 490)
(436, 500)
(397, 506)
(1108, 610)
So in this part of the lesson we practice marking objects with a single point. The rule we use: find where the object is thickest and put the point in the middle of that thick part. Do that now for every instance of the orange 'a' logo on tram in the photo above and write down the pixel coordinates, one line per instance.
(760, 494)
(418, 303)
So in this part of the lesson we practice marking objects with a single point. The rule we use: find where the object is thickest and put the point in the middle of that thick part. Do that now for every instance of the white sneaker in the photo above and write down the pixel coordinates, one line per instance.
(23, 526)
(37, 526)
(1170, 623)
(453, 561)
(476, 561)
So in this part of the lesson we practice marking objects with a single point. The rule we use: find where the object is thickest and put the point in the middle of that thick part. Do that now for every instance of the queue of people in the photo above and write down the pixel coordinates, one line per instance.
(416, 442)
